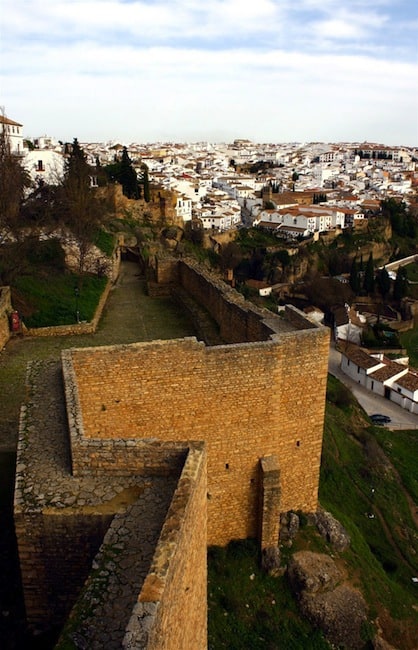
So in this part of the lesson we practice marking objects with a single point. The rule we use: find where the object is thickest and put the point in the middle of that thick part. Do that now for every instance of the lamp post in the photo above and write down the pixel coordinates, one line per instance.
(77, 294)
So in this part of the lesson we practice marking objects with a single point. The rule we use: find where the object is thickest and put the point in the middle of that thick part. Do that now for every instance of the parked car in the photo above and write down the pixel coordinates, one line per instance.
(378, 418)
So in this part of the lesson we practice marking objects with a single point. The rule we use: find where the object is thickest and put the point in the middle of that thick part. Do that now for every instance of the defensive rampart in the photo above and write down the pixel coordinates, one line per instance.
(262, 395)
(253, 405)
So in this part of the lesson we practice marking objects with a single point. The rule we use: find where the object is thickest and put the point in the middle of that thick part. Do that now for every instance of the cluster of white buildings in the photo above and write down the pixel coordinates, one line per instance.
(393, 380)
(210, 187)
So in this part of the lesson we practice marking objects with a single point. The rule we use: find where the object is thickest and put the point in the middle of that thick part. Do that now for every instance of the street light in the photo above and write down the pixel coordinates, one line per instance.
(77, 295)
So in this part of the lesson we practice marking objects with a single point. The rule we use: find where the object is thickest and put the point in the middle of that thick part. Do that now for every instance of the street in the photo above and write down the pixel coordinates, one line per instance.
(371, 403)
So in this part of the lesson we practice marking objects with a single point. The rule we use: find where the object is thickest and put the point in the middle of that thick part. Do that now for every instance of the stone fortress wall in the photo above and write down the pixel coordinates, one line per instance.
(256, 402)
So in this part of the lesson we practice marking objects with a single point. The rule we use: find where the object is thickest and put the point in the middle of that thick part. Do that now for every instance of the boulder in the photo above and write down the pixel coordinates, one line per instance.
(338, 609)
(312, 573)
(289, 526)
(340, 614)
(331, 529)
(270, 561)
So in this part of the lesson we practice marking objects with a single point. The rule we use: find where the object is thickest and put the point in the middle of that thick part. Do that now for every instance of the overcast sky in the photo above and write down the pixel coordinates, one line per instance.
(189, 70)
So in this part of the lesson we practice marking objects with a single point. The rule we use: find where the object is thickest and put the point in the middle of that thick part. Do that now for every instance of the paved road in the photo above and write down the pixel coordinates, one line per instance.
(401, 419)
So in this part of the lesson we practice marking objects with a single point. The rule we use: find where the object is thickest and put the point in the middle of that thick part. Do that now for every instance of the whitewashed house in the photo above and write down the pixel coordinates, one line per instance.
(390, 379)
(405, 391)
(14, 133)
(44, 164)
(184, 208)
(358, 364)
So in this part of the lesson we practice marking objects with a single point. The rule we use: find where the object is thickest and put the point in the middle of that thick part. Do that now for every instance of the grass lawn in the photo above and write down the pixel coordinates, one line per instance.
(51, 299)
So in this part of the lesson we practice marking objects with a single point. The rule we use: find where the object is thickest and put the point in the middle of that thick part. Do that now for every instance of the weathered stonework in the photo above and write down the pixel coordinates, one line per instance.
(5, 311)
(148, 412)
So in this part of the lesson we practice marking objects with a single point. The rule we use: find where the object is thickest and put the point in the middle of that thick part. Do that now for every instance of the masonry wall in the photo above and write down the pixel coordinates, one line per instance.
(245, 400)
(171, 612)
(55, 553)
(239, 320)
(5, 310)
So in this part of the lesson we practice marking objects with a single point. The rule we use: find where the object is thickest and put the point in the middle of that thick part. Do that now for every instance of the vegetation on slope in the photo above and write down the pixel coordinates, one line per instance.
(368, 482)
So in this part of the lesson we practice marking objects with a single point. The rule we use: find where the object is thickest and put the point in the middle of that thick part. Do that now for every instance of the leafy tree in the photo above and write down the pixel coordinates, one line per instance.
(40, 205)
(80, 210)
(369, 275)
(402, 220)
(400, 286)
(14, 180)
(230, 256)
(194, 232)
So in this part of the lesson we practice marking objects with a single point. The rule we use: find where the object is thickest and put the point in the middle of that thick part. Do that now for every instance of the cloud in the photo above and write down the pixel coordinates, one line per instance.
(105, 68)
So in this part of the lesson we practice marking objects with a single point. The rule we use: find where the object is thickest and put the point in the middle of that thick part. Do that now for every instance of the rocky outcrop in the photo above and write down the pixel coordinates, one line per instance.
(312, 573)
(289, 527)
(331, 529)
(335, 607)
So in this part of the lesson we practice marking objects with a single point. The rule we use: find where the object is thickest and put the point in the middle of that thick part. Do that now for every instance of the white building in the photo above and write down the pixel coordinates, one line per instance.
(44, 164)
(184, 208)
(390, 379)
(14, 134)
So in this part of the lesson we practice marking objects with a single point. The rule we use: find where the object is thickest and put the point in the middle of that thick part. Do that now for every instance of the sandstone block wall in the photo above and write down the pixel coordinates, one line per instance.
(245, 400)
(171, 612)
(55, 552)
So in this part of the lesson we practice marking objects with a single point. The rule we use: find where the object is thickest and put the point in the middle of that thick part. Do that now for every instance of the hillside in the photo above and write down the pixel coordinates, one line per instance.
(368, 482)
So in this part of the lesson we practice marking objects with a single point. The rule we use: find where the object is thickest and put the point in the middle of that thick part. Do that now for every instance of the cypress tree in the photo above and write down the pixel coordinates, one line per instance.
(384, 282)
(369, 275)
(355, 277)
(127, 176)
(400, 287)
(147, 195)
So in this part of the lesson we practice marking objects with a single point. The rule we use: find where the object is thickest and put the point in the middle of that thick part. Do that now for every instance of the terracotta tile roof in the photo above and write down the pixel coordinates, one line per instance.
(359, 356)
(389, 370)
(409, 381)
(6, 120)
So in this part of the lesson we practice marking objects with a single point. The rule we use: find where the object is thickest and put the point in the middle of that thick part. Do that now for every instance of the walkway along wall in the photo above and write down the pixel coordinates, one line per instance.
(254, 406)
(246, 400)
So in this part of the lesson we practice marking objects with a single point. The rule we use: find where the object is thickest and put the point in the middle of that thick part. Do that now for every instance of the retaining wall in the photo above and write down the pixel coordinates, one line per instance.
(5, 311)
